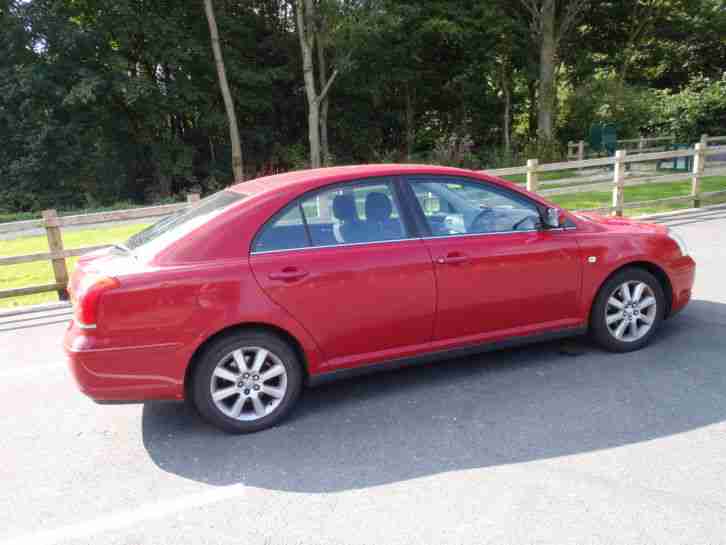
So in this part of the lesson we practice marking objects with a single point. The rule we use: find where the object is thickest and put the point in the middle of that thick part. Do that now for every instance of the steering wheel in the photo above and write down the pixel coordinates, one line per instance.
(479, 217)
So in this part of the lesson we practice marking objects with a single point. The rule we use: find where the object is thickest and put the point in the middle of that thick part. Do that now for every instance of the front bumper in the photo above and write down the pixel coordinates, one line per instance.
(682, 274)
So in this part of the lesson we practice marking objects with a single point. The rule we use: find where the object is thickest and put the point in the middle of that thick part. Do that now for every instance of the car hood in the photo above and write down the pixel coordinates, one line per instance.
(612, 223)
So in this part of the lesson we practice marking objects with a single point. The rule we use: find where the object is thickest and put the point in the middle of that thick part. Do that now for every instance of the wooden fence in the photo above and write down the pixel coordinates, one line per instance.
(578, 151)
(57, 254)
(616, 177)
(602, 173)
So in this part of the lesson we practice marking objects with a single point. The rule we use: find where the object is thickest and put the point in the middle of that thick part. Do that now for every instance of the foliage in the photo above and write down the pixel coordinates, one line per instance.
(604, 101)
(700, 108)
(118, 100)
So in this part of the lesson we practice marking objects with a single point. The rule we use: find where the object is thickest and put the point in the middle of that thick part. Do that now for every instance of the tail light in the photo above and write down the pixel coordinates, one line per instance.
(86, 298)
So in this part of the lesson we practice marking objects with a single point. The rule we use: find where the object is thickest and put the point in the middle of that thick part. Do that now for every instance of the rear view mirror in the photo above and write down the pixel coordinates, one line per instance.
(554, 218)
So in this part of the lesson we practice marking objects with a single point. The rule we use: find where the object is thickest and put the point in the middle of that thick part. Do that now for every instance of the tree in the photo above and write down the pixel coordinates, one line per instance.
(549, 25)
(226, 94)
(308, 33)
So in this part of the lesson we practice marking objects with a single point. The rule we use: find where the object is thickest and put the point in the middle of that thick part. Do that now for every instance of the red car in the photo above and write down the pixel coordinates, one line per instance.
(293, 279)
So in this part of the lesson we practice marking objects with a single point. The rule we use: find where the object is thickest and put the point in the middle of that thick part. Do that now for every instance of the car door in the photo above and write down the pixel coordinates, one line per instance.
(344, 264)
(498, 272)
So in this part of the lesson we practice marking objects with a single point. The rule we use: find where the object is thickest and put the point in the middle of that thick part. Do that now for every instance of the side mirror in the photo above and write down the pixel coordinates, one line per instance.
(554, 218)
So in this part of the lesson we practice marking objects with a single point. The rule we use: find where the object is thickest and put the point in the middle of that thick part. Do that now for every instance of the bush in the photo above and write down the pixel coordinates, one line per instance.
(603, 101)
(700, 108)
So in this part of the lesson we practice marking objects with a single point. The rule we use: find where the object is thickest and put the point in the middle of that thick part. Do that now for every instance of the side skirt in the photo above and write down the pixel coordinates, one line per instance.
(452, 353)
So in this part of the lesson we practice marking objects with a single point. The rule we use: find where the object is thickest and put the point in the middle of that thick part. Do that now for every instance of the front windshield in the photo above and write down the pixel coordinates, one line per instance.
(195, 215)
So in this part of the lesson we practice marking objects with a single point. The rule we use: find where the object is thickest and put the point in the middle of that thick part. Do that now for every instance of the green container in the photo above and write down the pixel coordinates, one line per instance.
(603, 138)
(677, 164)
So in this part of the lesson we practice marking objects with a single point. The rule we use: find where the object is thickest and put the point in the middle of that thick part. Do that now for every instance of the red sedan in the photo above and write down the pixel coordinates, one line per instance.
(290, 280)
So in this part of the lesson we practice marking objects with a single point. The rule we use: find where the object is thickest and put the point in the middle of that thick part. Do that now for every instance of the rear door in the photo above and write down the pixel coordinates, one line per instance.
(343, 262)
(499, 273)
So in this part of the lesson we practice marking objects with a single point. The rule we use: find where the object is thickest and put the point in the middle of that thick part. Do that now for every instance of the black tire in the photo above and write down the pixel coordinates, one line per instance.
(206, 364)
(598, 324)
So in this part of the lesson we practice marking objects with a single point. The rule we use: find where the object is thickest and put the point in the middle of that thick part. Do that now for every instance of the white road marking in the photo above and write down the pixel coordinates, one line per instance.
(33, 370)
(123, 519)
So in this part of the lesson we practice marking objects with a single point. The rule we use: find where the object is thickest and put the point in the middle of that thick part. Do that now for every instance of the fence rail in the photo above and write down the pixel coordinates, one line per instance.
(618, 180)
(613, 175)
(53, 223)
(577, 151)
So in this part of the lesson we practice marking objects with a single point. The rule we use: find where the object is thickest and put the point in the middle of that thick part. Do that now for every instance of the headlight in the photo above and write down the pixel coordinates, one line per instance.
(675, 237)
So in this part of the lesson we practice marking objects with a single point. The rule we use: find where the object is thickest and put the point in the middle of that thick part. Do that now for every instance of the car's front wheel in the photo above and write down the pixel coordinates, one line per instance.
(628, 310)
(246, 381)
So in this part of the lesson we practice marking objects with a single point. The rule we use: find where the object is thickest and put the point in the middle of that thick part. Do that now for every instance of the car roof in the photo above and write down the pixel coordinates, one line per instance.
(305, 180)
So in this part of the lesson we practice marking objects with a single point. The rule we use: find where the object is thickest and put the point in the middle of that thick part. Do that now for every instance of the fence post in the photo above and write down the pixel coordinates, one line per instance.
(641, 143)
(192, 198)
(699, 158)
(532, 176)
(55, 244)
(581, 150)
(618, 182)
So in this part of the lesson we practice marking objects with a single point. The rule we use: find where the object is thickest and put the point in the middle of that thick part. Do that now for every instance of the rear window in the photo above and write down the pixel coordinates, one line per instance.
(184, 220)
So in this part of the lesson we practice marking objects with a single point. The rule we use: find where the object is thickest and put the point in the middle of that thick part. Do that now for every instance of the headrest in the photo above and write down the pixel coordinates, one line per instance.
(378, 207)
(344, 208)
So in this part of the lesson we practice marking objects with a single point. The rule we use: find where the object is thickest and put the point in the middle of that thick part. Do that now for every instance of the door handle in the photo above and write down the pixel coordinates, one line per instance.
(453, 259)
(288, 275)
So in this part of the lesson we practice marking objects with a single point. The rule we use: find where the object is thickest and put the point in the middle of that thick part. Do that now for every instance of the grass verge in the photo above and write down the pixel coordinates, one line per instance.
(40, 272)
(596, 199)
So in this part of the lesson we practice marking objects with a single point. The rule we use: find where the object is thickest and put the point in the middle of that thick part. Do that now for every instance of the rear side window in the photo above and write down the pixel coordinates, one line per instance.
(351, 213)
(285, 232)
(198, 214)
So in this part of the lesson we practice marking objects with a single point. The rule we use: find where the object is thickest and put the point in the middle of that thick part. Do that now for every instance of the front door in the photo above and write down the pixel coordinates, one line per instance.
(341, 262)
(498, 272)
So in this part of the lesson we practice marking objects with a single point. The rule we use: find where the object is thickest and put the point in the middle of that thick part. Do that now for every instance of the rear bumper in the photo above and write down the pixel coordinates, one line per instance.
(682, 275)
(124, 374)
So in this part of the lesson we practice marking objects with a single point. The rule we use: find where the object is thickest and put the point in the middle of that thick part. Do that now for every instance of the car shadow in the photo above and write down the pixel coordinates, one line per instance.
(505, 407)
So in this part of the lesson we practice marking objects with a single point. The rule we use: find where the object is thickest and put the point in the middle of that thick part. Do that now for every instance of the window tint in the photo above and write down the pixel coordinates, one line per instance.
(285, 232)
(345, 214)
(354, 213)
(453, 206)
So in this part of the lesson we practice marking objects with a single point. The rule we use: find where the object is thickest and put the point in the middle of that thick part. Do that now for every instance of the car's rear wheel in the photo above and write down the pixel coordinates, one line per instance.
(246, 381)
(628, 310)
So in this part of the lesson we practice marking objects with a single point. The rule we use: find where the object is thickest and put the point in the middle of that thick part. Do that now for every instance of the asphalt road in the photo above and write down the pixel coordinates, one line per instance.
(536, 445)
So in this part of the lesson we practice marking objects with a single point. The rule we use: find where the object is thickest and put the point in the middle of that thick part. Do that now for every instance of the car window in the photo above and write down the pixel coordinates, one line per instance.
(351, 213)
(453, 206)
(178, 224)
(286, 231)
(354, 213)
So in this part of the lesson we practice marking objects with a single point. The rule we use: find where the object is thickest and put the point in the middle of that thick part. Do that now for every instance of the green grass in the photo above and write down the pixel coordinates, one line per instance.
(40, 272)
(543, 177)
(27, 274)
(596, 199)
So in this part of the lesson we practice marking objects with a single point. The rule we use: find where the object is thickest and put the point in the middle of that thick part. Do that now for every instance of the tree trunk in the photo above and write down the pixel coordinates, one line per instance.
(410, 124)
(304, 10)
(507, 119)
(532, 121)
(323, 72)
(226, 94)
(505, 83)
(548, 54)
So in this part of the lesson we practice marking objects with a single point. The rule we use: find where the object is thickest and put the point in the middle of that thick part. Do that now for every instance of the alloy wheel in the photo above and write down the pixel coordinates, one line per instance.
(249, 383)
(631, 311)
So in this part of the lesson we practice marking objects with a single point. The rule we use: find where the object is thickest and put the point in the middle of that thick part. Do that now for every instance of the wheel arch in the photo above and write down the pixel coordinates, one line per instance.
(241, 327)
(650, 267)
